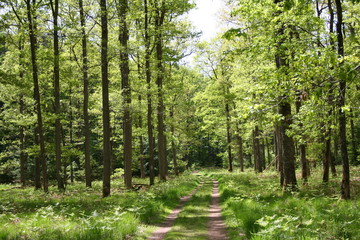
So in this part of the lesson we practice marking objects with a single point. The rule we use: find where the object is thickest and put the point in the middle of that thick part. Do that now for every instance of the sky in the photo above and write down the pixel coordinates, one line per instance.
(205, 17)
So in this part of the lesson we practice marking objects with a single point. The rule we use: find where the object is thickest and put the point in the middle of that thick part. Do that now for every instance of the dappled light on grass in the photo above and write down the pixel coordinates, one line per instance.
(256, 208)
(81, 213)
(192, 220)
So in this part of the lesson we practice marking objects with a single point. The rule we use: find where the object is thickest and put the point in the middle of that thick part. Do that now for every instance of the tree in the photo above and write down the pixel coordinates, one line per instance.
(39, 133)
(55, 11)
(159, 20)
(105, 99)
(126, 91)
(345, 185)
(87, 131)
(284, 110)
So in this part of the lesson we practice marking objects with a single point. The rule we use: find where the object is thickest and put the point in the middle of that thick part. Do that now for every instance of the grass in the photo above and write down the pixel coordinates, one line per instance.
(255, 207)
(81, 213)
(193, 219)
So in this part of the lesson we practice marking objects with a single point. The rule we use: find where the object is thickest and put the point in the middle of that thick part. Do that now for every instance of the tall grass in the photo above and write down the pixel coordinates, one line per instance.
(81, 213)
(256, 208)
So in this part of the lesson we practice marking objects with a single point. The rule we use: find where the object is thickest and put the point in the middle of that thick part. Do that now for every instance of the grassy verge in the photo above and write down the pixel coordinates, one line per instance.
(193, 219)
(256, 208)
(81, 213)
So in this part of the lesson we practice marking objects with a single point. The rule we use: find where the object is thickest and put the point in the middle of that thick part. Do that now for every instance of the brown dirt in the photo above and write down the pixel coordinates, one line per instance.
(217, 227)
(165, 227)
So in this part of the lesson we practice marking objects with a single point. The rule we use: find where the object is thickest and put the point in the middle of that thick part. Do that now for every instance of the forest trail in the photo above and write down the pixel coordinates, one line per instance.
(213, 222)
(165, 227)
(217, 227)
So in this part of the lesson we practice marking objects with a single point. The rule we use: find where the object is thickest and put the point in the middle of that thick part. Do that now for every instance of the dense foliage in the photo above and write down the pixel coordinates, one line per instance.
(88, 87)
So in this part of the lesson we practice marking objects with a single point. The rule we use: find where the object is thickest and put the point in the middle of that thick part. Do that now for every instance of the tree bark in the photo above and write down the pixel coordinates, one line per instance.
(284, 109)
(353, 138)
(22, 143)
(105, 100)
(228, 135)
(288, 149)
(55, 13)
(126, 92)
(87, 131)
(241, 153)
(141, 140)
(160, 12)
(345, 185)
(33, 46)
(302, 147)
(257, 153)
(173, 145)
(22, 128)
(149, 100)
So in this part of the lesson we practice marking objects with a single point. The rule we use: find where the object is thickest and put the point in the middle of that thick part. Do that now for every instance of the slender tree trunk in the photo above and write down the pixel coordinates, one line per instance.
(353, 138)
(262, 148)
(228, 135)
(22, 128)
(173, 146)
(105, 99)
(149, 100)
(87, 131)
(159, 82)
(22, 143)
(241, 154)
(268, 151)
(37, 160)
(257, 152)
(141, 140)
(55, 12)
(302, 147)
(33, 46)
(279, 156)
(345, 185)
(126, 92)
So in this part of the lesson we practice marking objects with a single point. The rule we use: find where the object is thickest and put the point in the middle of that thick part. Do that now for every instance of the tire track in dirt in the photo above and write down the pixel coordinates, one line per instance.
(217, 227)
(166, 226)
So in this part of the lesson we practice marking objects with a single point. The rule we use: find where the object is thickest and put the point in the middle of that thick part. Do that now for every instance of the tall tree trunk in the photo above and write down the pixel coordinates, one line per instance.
(257, 153)
(228, 135)
(288, 149)
(284, 109)
(22, 128)
(22, 142)
(126, 92)
(268, 151)
(141, 140)
(105, 100)
(149, 100)
(241, 154)
(280, 163)
(173, 145)
(302, 147)
(87, 131)
(55, 12)
(353, 138)
(31, 14)
(37, 160)
(345, 185)
(160, 13)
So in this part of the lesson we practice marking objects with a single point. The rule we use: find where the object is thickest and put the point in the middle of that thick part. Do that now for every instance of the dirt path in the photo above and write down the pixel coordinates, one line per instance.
(217, 227)
(165, 227)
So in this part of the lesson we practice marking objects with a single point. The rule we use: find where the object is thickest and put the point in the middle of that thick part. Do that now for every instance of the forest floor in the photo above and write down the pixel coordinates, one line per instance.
(200, 218)
(253, 206)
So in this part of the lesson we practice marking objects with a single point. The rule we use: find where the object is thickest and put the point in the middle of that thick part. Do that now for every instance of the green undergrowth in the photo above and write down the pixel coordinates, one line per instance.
(193, 219)
(81, 213)
(255, 207)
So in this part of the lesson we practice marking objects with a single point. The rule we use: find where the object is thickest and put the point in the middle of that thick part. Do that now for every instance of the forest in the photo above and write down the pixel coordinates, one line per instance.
(115, 114)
